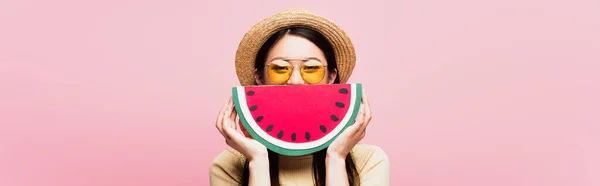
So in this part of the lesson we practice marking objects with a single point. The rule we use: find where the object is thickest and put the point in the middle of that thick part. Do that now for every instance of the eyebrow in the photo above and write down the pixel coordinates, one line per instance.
(301, 58)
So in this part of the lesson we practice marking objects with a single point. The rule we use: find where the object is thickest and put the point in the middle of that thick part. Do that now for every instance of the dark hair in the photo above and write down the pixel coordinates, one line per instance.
(313, 36)
(319, 156)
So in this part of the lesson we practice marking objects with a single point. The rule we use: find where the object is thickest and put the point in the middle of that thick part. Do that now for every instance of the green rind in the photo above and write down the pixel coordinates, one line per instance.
(296, 152)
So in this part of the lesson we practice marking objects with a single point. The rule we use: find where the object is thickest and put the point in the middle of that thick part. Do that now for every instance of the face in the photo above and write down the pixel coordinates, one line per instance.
(294, 60)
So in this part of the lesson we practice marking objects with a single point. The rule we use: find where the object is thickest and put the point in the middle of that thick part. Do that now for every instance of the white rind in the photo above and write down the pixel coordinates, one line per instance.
(296, 146)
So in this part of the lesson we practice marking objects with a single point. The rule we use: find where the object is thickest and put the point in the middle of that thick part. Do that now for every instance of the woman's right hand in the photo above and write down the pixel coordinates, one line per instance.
(227, 126)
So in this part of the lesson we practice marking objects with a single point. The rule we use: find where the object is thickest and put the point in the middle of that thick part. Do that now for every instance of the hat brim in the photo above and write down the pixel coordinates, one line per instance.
(260, 32)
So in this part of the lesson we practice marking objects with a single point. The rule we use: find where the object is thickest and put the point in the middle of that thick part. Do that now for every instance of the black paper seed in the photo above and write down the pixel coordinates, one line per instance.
(250, 93)
(293, 136)
(280, 134)
(333, 118)
(253, 108)
(323, 128)
(259, 118)
(307, 136)
(269, 128)
(338, 104)
(344, 91)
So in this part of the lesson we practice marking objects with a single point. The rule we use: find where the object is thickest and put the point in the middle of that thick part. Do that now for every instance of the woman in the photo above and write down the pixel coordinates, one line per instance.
(300, 39)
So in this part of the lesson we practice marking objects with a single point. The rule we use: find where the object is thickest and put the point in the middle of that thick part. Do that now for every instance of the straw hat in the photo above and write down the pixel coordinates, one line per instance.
(260, 32)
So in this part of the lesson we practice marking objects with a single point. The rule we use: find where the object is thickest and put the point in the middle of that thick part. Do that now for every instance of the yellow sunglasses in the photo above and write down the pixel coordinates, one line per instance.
(280, 70)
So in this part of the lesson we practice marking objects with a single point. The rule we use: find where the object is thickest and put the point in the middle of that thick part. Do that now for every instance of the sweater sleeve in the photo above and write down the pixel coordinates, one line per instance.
(374, 166)
(226, 169)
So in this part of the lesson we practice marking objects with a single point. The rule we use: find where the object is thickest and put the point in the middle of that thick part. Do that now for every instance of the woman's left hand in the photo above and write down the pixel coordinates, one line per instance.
(341, 146)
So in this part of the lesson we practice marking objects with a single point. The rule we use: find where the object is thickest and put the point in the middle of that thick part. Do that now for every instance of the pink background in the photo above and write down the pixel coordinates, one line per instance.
(464, 92)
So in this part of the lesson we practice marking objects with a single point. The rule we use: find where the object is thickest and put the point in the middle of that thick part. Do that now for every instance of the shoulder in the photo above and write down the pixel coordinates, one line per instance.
(367, 157)
(229, 156)
(227, 166)
(365, 151)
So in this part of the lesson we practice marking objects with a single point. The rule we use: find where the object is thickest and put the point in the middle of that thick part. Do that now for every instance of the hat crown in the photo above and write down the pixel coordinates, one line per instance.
(261, 31)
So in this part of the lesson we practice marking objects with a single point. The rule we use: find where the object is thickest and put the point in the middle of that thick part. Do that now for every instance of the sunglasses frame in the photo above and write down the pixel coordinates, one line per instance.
(294, 67)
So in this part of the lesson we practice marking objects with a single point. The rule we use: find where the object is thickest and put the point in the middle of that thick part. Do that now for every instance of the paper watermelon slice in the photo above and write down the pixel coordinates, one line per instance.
(298, 119)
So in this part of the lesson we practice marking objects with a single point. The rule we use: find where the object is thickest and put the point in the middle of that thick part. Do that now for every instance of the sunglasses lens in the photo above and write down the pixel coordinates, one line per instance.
(313, 71)
(279, 71)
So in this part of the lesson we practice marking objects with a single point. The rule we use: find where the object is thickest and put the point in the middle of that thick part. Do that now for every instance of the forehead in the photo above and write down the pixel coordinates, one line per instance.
(295, 46)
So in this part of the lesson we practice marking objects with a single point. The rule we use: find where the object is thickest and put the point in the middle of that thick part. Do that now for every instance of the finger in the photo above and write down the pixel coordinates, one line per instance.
(227, 118)
(362, 113)
(232, 122)
(226, 112)
(233, 135)
(362, 134)
(360, 116)
(349, 132)
(367, 103)
(232, 116)
(365, 98)
(366, 119)
(220, 114)
(237, 122)
(354, 128)
(219, 123)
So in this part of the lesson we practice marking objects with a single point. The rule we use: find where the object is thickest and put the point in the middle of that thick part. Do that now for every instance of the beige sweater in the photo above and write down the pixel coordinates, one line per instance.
(371, 162)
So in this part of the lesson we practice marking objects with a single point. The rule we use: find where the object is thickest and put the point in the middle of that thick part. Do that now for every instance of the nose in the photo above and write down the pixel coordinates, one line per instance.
(296, 78)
